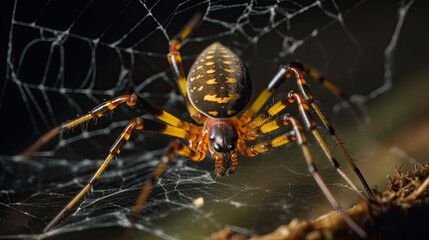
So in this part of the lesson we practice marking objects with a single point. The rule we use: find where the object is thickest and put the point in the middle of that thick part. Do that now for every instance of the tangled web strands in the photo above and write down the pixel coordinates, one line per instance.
(64, 58)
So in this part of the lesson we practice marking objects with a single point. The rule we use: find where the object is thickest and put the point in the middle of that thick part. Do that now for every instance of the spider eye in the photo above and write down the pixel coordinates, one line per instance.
(217, 147)
(231, 146)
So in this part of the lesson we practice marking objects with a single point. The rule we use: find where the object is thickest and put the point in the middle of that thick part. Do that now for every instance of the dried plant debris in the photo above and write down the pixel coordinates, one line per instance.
(409, 186)
(401, 212)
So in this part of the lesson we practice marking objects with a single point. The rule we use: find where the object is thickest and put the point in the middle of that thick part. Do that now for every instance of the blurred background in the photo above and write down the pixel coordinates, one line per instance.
(62, 59)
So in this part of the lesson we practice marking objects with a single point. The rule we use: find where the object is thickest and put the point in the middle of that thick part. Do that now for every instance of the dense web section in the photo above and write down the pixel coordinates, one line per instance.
(64, 58)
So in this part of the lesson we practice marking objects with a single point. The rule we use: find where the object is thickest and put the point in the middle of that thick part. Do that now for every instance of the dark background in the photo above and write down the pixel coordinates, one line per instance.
(350, 53)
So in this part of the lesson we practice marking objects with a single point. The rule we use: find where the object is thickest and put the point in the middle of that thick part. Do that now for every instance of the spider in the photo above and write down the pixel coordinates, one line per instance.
(217, 88)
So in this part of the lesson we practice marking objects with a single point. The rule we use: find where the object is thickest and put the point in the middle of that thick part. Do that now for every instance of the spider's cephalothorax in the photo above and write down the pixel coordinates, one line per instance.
(218, 87)
(223, 136)
(218, 82)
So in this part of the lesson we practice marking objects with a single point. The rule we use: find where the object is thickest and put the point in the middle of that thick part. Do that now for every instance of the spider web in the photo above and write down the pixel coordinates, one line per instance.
(63, 58)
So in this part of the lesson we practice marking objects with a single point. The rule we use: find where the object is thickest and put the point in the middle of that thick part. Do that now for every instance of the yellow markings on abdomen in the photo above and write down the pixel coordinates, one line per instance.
(217, 87)
(214, 113)
(212, 81)
(214, 98)
(230, 80)
(231, 112)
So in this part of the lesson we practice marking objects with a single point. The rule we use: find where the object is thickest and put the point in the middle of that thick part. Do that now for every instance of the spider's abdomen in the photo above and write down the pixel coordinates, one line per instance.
(218, 82)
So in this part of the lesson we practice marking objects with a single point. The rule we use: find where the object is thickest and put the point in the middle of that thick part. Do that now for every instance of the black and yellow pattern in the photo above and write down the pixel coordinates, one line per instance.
(217, 88)
(218, 82)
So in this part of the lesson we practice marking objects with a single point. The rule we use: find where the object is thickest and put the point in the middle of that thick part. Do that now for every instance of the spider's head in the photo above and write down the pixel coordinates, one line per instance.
(223, 145)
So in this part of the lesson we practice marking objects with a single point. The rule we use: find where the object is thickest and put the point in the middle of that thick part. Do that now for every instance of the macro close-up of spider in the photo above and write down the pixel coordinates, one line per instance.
(217, 88)
(211, 119)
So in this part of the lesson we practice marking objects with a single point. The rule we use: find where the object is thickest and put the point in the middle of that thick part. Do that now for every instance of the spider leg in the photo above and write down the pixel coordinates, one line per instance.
(174, 147)
(296, 134)
(132, 100)
(250, 128)
(139, 124)
(175, 60)
(96, 112)
(280, 77)
(310, 124)
(258, 127)
(329, 85)
(305, 91)
(264, 96)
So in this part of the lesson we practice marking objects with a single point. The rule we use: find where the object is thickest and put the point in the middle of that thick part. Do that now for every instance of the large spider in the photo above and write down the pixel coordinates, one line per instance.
(216, 90)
